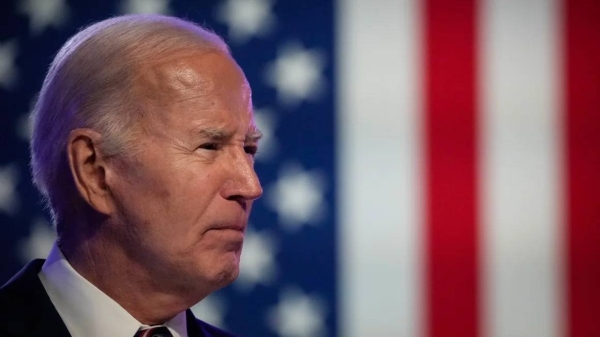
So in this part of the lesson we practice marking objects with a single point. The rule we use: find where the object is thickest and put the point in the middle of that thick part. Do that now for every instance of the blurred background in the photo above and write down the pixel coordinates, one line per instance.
(430, 168)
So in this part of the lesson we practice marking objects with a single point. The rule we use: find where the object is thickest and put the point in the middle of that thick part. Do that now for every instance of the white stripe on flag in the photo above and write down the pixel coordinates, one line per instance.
(520, 168)
(378, 159)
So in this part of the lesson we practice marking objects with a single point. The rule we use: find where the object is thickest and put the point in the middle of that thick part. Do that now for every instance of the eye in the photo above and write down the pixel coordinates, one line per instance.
(209, 146)
(251, 149)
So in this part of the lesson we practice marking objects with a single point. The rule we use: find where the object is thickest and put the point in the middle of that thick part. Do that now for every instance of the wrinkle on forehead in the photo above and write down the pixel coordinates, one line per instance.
(174, 78)
(207, 81)
(185, 76)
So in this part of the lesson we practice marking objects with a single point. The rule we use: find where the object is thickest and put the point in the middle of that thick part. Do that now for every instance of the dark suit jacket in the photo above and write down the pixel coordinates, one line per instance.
(26, 310)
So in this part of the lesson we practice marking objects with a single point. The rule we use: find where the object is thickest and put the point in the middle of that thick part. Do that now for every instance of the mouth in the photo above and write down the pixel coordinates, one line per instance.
(230, 236)
(231, 228)
(239, 227)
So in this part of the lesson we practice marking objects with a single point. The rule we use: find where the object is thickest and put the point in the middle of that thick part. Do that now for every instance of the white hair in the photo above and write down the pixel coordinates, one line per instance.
(89, 85)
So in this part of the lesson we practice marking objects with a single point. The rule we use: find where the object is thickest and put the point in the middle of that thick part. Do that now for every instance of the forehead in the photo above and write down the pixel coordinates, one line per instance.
(202, 82)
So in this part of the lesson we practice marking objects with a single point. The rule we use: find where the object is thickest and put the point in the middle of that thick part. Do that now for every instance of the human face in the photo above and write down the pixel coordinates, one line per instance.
(182, 203)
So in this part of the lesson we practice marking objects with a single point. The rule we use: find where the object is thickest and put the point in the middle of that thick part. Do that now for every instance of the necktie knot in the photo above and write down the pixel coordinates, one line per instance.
(158, 331)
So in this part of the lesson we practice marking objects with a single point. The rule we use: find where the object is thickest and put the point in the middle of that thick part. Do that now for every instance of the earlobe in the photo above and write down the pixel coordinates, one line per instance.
(88, 167)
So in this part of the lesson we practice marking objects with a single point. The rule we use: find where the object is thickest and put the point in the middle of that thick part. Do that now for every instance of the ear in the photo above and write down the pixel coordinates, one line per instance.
(88, 167)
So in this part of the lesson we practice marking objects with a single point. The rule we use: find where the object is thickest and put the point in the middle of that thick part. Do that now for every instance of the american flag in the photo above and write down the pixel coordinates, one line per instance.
(431, 168)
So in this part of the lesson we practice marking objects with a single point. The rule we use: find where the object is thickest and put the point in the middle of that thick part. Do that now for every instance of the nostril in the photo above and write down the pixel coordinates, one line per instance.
(240, 200)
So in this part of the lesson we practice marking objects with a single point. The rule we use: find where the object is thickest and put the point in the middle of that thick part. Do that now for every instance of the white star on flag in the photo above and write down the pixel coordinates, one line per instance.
(8, 69)
(266, 121)
(257, 262)
(9, 202)
(297, 315)
(211, 310)
(297, 74)
(39, 242)
(246, 18)
(297, 197)
(145, 7)
(45, 13)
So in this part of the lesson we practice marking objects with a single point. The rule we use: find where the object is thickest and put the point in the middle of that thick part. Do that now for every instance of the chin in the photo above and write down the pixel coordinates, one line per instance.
(224, 274)
(213, 270)
(221, 279)
(230, 273)
(202, 284)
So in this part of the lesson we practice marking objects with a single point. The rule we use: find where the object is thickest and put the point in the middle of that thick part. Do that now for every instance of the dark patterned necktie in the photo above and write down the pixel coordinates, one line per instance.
(158, 331)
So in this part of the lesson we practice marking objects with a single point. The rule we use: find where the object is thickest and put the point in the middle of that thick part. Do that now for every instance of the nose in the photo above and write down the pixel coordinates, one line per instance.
(243, 184)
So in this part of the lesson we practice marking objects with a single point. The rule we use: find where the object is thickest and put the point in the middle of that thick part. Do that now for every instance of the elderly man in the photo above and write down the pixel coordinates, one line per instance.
(143, 147)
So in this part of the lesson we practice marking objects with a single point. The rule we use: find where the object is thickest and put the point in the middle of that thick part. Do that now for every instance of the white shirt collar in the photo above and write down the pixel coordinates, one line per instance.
(85, 309)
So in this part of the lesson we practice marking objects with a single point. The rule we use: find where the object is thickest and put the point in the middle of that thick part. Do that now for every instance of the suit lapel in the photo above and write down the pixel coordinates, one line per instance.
(198, 328)
(26, 309)
(193, 328)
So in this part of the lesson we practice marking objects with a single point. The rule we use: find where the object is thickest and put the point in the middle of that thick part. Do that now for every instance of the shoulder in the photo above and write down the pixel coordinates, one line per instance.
(22, 301)
(23, 286)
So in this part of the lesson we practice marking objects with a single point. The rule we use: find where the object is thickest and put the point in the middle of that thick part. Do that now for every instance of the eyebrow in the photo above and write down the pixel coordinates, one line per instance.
(221, 135)
(254, 136)
(215, 134)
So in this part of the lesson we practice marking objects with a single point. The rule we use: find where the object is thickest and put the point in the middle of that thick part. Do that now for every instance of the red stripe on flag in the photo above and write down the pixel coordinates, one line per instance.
(451, 164)
(582, 19)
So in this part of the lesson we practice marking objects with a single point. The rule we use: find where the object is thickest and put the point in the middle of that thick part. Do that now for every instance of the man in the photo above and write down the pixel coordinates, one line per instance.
(143, 147)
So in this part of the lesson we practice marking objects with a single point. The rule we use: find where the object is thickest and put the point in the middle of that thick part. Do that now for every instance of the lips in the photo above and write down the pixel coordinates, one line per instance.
(240, 226)
(235, 228)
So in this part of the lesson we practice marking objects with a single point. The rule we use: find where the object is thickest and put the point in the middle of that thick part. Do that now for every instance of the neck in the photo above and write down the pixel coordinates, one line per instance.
(128, 282)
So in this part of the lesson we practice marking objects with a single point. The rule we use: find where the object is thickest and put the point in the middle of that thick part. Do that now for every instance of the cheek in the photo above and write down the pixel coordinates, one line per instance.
(185, 206)
(142, 199)
(172, 201)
